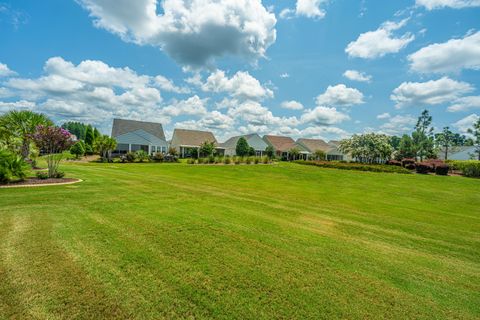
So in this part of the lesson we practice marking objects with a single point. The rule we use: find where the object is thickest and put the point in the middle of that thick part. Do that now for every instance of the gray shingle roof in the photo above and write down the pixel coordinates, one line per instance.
(314, 144)
(184, 137)
(122, 126)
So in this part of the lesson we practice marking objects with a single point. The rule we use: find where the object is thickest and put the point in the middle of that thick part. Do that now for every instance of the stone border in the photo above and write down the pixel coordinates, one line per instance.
(40, 184)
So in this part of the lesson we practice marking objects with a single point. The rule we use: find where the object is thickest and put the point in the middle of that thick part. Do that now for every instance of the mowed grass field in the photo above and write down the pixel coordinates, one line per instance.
(152, 241)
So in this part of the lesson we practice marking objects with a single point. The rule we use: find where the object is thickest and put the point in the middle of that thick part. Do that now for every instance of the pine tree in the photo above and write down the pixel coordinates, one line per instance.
(89, 136)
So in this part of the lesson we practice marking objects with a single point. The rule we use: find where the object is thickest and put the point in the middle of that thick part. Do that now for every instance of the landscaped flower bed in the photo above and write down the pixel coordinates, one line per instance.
(356, 166)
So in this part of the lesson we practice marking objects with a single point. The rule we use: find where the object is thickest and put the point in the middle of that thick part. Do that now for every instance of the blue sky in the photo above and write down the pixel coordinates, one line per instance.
(246, 65)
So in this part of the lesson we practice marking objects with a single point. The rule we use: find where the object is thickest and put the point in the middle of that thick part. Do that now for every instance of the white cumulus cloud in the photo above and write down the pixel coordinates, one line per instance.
(5, 71)
(465, 104)
(340, 95)
(466, 123)
(305, 8)
(292, 105)
(241, 85)
(455, 4)
(432, 92)
(451, 56)
(378, 43)
(193, 32)
(324, 116)
(355, 75)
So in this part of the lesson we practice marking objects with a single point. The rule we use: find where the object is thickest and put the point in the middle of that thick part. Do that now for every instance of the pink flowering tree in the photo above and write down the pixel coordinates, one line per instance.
(52, 141)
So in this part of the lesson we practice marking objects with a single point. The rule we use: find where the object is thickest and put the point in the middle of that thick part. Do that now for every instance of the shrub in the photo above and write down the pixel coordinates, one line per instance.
(248, 160)
(355, 166)
(442, 169)
(218, 160)
(469, 168)
(410, 166)
(59, 175)
(141, 155)
(131, 157)
(227, 160)
(423, 167)
(12, 166)
(42, 175)
(200, 160)
(394, 163)
(158, 157)
(211, 159)
(78, 149)
(237, 161)
(407, 161)
(265, 160)
(190, 161)
(257, 160)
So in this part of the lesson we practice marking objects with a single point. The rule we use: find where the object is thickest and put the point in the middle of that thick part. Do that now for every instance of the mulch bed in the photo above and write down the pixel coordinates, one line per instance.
(31, 182)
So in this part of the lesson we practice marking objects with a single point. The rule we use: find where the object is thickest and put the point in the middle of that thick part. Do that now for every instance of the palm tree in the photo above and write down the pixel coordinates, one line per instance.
(104, 145)
(23, 124)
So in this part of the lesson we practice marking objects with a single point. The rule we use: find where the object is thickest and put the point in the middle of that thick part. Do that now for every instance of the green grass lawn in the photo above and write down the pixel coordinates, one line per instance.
(152, 241)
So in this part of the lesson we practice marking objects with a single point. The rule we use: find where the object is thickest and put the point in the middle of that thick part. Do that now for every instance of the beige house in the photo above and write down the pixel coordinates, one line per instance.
(188, 142)
(331, 148)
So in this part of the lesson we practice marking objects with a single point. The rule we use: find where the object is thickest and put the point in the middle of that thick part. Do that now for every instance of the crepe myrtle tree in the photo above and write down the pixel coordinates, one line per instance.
(207, 149)
(52, 141)
(368, 148)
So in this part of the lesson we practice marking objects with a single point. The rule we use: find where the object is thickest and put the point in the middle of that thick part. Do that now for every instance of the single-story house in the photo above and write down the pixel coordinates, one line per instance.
(186, 142)
(282, 146)
(134, 135)
(458, 153)
(331, 149)
(253, 140)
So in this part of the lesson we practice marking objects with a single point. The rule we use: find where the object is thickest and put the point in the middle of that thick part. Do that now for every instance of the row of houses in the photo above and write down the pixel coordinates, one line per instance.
(149, 136)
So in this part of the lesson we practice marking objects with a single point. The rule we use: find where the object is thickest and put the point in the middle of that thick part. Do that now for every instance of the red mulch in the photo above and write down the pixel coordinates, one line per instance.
(36, 181)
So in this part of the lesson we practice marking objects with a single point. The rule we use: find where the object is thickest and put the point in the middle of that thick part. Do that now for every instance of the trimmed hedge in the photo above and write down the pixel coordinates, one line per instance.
(423, 167)
(408, 161)
(394, 163)
(442, 169)
(355, 166)
(469, 168)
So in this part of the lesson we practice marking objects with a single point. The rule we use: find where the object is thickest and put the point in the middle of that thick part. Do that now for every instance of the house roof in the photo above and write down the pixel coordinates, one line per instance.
(313, 145)
(122, 126)
(254, 140)
(193, 138)
(280, 143)
(140, 137)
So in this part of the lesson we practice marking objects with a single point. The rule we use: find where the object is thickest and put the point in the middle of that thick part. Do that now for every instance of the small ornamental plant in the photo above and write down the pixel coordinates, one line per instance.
(52, 141)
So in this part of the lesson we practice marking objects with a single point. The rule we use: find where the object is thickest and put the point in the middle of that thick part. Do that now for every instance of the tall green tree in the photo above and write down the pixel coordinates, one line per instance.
(445, 140)
(406, 148)
(89, 136)
(77, 128)
(270, 152)
(395, 142)
(23, 124)
(206, 149)
(423, 136)
(242, 147)
(475, 131)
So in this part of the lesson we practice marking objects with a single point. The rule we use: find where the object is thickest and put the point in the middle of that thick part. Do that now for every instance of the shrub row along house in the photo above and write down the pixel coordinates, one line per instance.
(148, 136)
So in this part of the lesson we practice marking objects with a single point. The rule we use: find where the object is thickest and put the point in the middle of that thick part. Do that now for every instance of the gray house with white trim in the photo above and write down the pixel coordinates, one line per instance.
(253, 140)
(134, 135)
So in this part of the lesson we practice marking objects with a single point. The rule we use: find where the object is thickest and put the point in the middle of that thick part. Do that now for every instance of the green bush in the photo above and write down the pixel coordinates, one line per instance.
(130, 157)
(12, 167)
(248, 160)
(42, 175)
(158, 157)
(469, 168)
(211, 159)
(442, 169)
(257, 160)
(190, 161)
(265, 160)
(355, 166)
(227, 160)
(141, 155)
